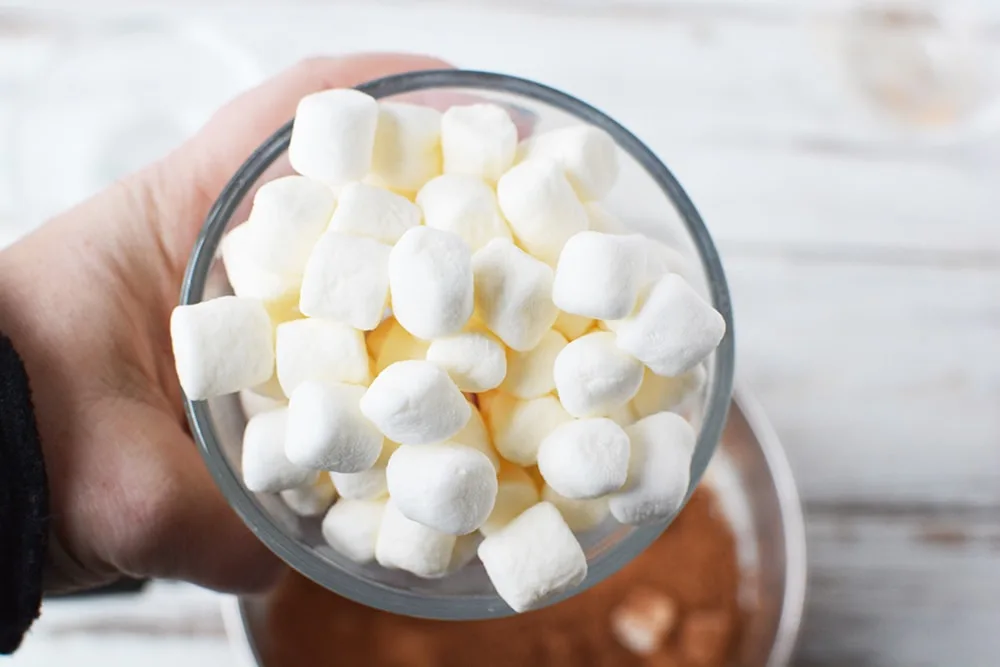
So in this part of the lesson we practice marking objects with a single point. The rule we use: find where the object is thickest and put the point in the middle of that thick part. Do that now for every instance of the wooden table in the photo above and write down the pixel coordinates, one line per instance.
(863, 252)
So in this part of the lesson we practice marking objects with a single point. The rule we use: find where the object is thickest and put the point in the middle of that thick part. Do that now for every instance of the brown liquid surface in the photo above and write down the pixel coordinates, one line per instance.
(678, 600)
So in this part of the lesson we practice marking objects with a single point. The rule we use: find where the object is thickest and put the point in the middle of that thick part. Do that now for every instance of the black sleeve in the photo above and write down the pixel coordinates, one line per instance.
(24, 503)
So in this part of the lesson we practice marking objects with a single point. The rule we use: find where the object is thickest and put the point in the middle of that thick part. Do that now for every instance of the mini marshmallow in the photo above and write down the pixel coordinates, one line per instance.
(593, 376)
(659, 470)
(407, 150)
(660, 394)
(601, 220)
(221, 346)
(513, 293)
(403, 544)
(317, 349)
(516, 492)
(534, 558)
(588, 156)
(347, 280)
(572, 326)
(475, 435)
(585, 458)
(673, 330)
(479, 140)
(599, 276)
(375, 339)
(430, 282)
(246, 274)
(415, 403)
(529, 374)
(399, 345)
(253, 403)
(351, 527)
(661, 259)
(288, 216)
(266, 469)
(464, 551)
(333, 136)
(311, 500)
(623, 415)
(518, 427)
(368, 210)
(369, 484)
(463, 205)
(474, 360)
(580, 515)
(541, 208)
(447, 487)
(326, 430)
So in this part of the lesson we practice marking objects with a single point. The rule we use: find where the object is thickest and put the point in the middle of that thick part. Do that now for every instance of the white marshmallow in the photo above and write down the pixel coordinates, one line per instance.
(270, 389)
(673, 330)
(288, 216)
(580, 515)
(266, 469)
(661, 259)
(587, 154)
(351, 527)
(369, 484)
(623, 415)
(475, 435)
(430, 281)
(478, 139)
(407, 545)
(463, 205)
(375, 339)
(333, 136)
(415, 403)
(447, 487)
(246, 274)
(533, 558)
(518, 427)
(221, 346)
(407, 145)
(474, 360)
(585, 458)
(572, 326)
(311, 500)
(513, 293)
(659, 470)
(317, 349)
(601, 220)
(368, 210)
(326, 430)
(347, 280)
(464, 551)
(599, 276)
(541, 208)
(593, 376)
(660, 394)
(516, 492)
(399, 345)
(253, 403)
(529, 374)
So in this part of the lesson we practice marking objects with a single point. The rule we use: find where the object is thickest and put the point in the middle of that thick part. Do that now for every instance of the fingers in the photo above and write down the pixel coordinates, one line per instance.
(173, 521)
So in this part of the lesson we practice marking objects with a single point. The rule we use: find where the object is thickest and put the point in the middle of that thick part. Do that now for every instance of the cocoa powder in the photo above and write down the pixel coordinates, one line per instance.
(673, 606)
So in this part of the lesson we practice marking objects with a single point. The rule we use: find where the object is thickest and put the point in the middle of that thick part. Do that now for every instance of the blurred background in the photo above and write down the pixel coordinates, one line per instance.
(844, 154)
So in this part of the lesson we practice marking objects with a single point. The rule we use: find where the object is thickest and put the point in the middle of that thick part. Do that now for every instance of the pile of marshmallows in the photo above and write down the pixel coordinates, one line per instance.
(479, 355)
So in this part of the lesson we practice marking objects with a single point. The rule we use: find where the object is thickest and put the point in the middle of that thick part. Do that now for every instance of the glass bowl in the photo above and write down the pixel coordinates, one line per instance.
(646, 197)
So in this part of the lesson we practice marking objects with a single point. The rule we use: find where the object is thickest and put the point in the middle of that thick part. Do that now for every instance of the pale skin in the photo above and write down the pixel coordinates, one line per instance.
(86, 300)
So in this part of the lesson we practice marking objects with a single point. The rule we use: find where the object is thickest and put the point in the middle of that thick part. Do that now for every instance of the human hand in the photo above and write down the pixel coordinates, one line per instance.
(86, 300)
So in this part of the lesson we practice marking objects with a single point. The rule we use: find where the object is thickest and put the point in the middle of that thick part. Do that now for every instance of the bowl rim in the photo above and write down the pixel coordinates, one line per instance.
(424, 604)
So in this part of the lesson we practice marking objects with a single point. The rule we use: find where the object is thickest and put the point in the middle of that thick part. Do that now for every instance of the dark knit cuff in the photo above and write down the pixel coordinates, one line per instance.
(24, 503)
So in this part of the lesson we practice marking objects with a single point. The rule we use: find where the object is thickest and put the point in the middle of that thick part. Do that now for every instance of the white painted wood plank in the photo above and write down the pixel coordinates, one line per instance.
(902, 591)
(883, 382)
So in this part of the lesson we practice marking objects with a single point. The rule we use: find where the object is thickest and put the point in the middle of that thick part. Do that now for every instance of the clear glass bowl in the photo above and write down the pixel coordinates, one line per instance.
(647, 197)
